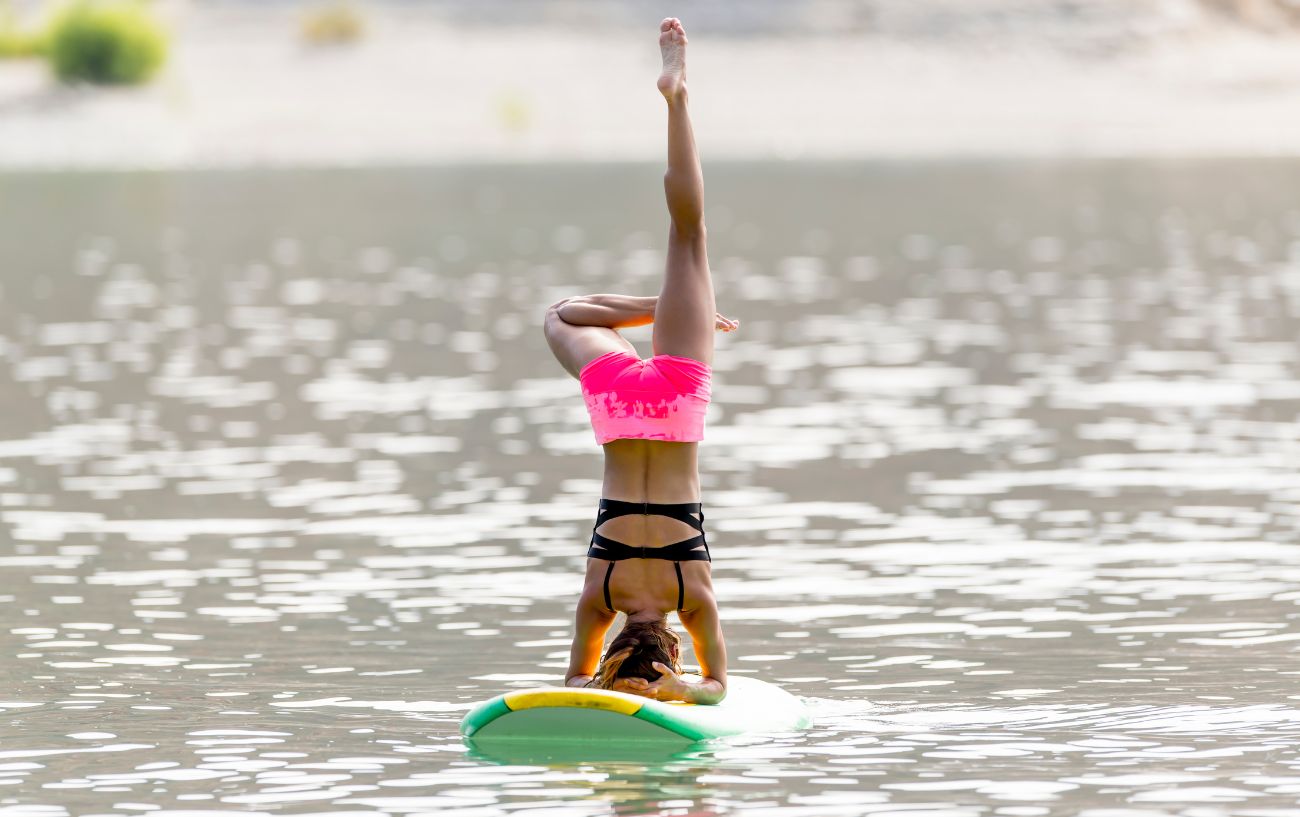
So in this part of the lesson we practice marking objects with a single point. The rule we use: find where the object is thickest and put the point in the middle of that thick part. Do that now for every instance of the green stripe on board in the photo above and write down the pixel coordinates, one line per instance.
(483, 714)
(668, 719)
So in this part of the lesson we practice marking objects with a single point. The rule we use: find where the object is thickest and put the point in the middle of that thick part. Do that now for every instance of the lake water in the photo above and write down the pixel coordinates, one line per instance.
(1001, 477)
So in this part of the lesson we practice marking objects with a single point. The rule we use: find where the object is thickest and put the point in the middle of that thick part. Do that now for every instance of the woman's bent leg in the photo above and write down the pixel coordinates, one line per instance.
(576, 344)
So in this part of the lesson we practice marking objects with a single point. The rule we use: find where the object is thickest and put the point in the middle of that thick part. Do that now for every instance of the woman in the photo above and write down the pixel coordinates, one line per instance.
(649, 417)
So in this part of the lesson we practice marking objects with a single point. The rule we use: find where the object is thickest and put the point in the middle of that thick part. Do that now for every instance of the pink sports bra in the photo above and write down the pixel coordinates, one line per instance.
(662, 398)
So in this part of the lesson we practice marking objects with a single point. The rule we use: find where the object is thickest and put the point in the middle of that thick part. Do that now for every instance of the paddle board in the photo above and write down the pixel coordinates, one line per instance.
(563, 713)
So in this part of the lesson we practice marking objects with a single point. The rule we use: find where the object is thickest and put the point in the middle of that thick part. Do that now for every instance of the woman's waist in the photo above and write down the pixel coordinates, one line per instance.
(641, 470)
(615, 493)
(653, 520)
(650, 525)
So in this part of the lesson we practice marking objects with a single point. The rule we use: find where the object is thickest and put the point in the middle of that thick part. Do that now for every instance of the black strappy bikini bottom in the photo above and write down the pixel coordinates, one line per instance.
(695, 549)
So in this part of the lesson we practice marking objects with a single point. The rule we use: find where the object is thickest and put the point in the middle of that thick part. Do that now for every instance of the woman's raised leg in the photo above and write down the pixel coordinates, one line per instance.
(685, 315)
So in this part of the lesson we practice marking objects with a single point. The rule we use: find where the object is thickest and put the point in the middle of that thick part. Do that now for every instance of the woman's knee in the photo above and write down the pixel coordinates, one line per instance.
(692, 236)
(551, 320)
(553, 311)
(555, 307)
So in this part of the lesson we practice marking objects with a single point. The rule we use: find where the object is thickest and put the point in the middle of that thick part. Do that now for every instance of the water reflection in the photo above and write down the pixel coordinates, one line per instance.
(1001, 472)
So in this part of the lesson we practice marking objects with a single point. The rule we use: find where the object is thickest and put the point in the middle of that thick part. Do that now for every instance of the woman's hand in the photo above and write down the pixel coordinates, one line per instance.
(633, 686)
(668, 687)
(725, 324)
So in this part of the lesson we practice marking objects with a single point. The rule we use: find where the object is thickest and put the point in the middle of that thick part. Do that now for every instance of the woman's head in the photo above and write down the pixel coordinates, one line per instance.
(634, 651)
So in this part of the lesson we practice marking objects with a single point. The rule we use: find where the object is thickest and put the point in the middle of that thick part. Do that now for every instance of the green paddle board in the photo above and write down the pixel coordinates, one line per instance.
(577, 714)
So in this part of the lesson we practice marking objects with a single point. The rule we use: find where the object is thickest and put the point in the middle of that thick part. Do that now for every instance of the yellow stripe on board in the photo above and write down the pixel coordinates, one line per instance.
(573, 699)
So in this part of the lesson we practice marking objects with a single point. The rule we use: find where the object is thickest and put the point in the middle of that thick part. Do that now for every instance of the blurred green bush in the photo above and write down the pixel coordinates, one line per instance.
(117, 42)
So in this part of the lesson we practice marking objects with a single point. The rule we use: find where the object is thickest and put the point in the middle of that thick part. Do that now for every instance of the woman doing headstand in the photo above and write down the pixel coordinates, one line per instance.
(648, 416)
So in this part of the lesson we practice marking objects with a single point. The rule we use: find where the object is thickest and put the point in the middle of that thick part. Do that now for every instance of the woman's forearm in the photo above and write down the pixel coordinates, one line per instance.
(613, 311)
(707, 691)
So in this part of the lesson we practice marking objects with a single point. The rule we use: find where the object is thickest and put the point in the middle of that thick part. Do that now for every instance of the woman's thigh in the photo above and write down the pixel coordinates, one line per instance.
(576, 346)
(686, 315)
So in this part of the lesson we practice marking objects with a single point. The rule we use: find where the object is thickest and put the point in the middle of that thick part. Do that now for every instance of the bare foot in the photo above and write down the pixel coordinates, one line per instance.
(672, 43)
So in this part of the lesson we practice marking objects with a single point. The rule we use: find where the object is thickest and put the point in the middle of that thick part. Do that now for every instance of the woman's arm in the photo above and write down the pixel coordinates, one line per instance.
(593, 622)
(701, 621)
(705, 630)
(618, 311)
(613, 311)
(706, 638)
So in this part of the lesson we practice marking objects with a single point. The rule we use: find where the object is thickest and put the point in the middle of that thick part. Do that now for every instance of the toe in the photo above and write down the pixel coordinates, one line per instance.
(666, 24)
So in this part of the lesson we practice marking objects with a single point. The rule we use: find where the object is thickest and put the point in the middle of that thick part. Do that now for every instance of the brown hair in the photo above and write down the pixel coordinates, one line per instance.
(633, 652)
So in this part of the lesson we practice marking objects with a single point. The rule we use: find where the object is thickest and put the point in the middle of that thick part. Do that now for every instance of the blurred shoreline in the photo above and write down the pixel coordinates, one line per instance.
(458, 82)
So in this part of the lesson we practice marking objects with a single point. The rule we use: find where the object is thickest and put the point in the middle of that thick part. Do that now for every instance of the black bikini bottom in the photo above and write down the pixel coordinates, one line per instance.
(695, 549)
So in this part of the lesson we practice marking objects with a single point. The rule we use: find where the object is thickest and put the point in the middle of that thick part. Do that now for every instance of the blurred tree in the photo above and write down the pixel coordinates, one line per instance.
(109, 42)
